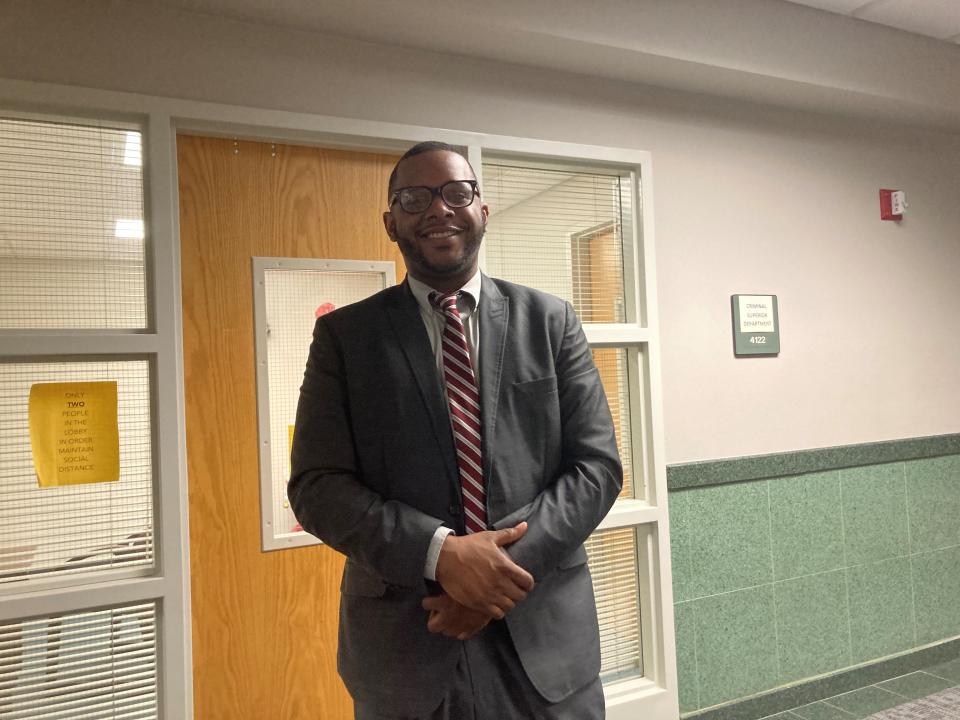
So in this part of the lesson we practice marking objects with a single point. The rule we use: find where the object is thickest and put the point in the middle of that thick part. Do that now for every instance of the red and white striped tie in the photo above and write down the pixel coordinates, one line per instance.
(464, 401)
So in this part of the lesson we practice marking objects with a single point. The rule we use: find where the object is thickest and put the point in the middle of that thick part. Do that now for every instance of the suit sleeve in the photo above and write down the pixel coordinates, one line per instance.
(326, 489)
(564, 514)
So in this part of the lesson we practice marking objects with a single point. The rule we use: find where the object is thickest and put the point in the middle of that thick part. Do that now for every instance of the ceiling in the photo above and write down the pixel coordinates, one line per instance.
(827, 56)
(934, 18)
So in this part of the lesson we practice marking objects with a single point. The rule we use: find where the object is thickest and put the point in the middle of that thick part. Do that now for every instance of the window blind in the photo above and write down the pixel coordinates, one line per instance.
(559, 231)
(613, 565)
(95, 665)
(71, 227)
(74, 530)
(612, 365)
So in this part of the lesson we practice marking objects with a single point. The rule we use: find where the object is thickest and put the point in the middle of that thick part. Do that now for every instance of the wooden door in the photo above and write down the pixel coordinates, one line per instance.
(264, 624)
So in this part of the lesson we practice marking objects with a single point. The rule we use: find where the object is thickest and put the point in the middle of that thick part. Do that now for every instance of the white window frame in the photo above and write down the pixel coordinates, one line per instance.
(654, 695)
(167, 583)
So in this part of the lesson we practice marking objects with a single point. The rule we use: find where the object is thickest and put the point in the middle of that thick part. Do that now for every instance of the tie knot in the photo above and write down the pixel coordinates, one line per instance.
(444, 303)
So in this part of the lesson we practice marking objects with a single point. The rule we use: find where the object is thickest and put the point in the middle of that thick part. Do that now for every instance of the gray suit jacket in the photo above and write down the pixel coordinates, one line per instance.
(374, 474)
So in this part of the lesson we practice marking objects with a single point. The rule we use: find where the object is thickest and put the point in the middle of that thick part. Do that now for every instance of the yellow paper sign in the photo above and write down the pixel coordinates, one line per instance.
(289, 440)
(74, 434)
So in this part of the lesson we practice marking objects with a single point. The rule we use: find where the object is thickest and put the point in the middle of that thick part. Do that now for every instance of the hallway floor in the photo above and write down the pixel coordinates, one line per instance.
(930, 694)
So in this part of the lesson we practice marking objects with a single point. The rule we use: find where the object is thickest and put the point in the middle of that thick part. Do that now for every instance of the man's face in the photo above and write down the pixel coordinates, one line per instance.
(440, 244)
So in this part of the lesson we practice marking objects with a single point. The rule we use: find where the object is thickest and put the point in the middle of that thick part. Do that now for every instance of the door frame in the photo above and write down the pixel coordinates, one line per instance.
(162, 118)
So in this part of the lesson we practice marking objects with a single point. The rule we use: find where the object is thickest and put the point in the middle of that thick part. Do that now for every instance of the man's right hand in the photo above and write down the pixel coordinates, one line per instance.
(476, 572)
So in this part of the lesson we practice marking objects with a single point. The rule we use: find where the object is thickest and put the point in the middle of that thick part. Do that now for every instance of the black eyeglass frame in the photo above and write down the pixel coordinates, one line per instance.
(435, 192)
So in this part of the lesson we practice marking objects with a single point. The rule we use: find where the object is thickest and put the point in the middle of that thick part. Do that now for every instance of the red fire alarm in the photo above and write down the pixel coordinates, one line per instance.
(892, 204)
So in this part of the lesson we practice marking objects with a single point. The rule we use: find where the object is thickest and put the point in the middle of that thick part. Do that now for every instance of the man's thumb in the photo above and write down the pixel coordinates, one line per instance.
(510, 535)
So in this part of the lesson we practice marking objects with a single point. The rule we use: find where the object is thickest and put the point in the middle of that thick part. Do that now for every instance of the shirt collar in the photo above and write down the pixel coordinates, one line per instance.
(421, 291)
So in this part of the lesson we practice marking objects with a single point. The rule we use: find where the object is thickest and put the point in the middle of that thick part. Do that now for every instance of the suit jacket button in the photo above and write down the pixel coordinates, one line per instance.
(454, 509)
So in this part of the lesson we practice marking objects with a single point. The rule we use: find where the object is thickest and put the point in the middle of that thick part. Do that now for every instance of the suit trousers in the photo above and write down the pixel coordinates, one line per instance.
(491, 684)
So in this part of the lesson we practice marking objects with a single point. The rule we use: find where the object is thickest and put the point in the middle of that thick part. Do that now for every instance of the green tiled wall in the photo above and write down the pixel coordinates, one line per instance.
(781, 579)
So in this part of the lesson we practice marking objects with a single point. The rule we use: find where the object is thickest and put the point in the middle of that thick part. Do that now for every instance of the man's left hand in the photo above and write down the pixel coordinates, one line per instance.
(452, 619)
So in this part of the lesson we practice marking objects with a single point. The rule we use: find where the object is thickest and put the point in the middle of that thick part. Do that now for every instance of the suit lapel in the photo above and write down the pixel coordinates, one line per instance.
(412, 337)
(494, 312)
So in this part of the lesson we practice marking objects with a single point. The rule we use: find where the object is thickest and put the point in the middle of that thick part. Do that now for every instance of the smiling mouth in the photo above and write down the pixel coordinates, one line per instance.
(441, 234)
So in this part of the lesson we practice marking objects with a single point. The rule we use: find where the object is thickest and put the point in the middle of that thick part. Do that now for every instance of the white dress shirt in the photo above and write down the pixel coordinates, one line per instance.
(434, 321)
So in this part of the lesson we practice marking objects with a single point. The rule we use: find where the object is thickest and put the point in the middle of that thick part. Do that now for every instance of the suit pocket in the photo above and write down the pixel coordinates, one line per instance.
(540, 386)
(361, 582)
(577, 557)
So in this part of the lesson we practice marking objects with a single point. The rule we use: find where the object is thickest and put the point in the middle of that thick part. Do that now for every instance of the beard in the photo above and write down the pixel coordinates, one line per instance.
(417, 259)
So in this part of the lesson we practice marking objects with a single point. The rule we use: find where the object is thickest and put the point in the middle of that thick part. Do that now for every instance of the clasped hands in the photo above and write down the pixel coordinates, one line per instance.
(480, 581)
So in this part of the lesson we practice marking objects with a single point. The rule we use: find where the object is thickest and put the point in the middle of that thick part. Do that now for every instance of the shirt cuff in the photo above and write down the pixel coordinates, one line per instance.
(433, 552)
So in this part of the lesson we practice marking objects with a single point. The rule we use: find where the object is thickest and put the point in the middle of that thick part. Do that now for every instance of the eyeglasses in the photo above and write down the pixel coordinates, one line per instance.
(455, 194)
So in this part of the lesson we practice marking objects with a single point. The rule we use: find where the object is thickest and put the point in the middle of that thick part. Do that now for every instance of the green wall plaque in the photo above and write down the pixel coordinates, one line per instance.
(756, 327)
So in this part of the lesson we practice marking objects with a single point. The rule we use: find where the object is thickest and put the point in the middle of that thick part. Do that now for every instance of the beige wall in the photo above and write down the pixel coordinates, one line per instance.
(748, 199)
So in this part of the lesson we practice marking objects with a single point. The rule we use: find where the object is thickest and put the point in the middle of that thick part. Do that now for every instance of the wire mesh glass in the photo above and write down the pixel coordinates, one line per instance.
(560, 231)
(294, 298)
(74, 530)
(94, 665)
(71, 227)
(613, 566)
(612, 364)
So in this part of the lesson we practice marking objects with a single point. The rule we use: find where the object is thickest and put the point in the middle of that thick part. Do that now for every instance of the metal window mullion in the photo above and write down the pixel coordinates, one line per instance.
(174, 653)
(649, 538)
(627, 512)
(615, 334)
(637, 379)
(653, 432)
(631, 244)
(57, 601)
(21, 345)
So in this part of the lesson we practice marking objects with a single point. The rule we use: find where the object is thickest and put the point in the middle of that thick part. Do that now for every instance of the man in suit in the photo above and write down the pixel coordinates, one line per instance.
(453, 440)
